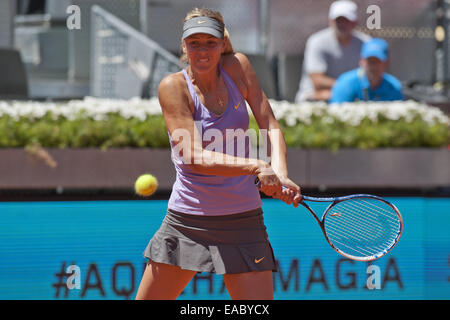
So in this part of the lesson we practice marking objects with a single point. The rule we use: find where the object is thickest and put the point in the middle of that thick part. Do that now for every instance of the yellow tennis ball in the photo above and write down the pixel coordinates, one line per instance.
(146, 185)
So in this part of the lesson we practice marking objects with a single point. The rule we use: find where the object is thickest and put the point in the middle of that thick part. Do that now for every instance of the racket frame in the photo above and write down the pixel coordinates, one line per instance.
(337, 200)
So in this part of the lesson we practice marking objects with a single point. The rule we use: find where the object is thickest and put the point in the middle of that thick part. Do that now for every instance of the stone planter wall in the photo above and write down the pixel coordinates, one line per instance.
(118, 168)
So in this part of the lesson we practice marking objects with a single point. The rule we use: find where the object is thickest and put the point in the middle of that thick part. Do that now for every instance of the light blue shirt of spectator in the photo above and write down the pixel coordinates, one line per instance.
(370, 82)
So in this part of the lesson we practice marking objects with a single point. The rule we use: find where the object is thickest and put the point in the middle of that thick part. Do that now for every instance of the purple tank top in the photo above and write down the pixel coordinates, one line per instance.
(199, 194)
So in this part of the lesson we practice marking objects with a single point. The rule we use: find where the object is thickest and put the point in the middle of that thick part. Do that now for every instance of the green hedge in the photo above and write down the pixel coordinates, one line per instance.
(84, 132)
(319, 130)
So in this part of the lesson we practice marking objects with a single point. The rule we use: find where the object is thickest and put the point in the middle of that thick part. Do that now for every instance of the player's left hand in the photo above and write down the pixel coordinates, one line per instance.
(291, 194)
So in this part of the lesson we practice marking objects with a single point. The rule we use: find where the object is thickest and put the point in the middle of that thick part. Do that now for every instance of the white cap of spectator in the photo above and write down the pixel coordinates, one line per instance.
(343, 8)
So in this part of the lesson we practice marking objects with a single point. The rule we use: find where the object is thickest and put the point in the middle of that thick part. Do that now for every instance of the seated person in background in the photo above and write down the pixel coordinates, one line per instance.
(370, 82)
(331, 52)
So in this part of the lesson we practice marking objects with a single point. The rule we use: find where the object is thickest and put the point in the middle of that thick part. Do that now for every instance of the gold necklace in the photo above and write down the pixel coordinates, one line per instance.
(218, 99)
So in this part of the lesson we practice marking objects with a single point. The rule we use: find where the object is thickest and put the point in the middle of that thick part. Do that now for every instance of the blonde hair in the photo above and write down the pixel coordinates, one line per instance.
(205, 12)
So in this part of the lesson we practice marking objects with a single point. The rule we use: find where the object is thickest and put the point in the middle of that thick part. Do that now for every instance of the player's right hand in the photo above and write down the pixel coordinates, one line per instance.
(270, 184)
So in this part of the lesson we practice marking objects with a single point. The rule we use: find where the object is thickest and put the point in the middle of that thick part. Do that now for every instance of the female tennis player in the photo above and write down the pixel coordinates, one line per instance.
(214, 221)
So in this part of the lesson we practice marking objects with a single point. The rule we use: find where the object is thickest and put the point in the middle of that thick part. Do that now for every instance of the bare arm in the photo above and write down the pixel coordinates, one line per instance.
(322, 85)
(181, 126)
(265, 118)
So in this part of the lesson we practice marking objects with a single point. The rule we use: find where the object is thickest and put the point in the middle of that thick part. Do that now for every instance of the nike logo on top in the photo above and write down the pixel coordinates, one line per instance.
(201, 21)
(237, 106)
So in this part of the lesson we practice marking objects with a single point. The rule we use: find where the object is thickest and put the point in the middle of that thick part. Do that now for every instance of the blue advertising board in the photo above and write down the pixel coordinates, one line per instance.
(45, 244)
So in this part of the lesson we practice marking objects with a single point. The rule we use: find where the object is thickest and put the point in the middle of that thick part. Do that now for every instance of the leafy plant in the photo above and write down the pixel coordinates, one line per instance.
(137, 123)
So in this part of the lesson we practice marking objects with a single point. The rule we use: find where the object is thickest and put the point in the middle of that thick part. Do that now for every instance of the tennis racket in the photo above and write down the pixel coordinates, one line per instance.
(360, 227)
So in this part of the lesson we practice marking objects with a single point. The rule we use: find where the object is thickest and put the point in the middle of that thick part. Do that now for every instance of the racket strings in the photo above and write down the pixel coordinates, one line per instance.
(353, 247)
(368, 250)
(362, 227)
(367, 216)
(355, 220)
(345, 236)
(349, 228)
(357, 223)
(351, 232)
(389, 214)
(365, 229)
(360, 250)
(370, 208)
(362, 218)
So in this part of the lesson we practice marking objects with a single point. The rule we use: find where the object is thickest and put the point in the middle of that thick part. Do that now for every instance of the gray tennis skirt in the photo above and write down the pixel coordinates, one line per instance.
(225, 244)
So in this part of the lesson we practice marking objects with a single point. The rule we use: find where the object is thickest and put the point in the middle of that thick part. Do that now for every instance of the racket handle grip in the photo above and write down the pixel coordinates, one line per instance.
(258, 185)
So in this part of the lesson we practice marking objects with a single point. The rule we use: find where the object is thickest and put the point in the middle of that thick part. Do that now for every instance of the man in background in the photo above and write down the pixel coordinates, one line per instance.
(369, 82)
(331, 52)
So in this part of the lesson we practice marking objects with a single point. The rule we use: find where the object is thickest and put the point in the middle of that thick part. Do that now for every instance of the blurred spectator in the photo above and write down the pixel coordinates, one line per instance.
(331, 52)
(369, 82)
